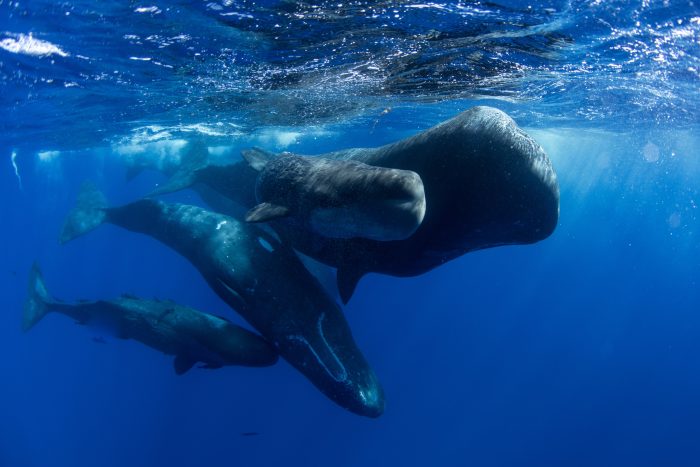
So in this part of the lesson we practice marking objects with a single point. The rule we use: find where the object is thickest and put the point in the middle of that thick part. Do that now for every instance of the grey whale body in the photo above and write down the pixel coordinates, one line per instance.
(259, 277)
(487, 183)
(190, 335)
(337, 198)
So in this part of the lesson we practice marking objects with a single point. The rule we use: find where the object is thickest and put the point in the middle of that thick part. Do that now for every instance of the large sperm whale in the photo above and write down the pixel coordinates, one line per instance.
(190, 335)
(487, 183)
(262, 279)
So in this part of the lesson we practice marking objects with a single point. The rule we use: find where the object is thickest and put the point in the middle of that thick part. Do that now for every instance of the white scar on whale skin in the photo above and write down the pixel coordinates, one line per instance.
(13, 157)
(343, 375)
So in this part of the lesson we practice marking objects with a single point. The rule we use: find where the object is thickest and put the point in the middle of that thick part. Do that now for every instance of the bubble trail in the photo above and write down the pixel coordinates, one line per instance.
(13, 157)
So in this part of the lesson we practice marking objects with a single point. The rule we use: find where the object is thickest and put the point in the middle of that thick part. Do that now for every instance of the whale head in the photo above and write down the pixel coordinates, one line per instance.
(329, 358)
(370, 202)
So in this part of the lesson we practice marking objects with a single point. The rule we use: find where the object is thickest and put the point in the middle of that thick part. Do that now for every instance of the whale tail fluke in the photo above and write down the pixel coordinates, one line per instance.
(195, 157)
(257, 158)
(88, 213)
(38, 300)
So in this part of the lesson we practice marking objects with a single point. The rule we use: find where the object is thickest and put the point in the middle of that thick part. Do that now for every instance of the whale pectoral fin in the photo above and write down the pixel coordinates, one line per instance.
(183, 364)
(264, 212)
(347, 278)
(257, 158)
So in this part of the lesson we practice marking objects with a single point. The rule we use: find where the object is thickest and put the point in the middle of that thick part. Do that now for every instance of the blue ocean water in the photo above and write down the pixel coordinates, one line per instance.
(580, 350)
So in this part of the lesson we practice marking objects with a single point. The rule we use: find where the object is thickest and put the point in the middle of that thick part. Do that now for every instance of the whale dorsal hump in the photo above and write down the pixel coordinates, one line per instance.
(183, 364)
(257, 158)
(264, 212)
(347, 278)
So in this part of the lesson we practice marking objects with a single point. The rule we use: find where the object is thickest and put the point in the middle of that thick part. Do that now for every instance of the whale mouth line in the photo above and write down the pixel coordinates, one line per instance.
(240, 302)
(340, 376)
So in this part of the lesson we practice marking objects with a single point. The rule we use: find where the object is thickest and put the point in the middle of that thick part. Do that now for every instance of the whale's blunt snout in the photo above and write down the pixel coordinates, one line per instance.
(400, 210)
(402, 185)
(371, 398)
(362, 393)
(329, 357)
(534, 199)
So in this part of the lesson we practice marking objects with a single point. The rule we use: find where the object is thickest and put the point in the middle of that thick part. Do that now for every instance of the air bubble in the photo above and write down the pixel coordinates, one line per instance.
(651, 152)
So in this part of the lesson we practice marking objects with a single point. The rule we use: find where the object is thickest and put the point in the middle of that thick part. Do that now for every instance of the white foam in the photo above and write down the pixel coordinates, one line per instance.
(283, 138)
(26, 44)
(278, 138)
(148, 9)
(164, 148)
(47, 156)
(220, 151)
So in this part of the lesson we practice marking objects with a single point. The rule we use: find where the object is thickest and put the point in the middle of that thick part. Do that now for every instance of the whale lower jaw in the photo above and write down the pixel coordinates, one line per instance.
(331, 364)
(336, 374)
(386, 221)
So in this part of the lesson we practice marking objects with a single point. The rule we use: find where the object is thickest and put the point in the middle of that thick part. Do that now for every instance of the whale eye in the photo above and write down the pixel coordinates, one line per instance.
(265, 244)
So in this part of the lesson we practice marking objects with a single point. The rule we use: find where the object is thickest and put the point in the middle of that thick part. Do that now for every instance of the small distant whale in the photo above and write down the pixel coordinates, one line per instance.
(337, 198)
(487, 183)
(262, 279)
(190, 335)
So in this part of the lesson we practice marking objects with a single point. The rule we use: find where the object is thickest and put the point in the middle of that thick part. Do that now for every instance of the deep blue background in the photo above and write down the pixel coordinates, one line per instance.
(581, 350)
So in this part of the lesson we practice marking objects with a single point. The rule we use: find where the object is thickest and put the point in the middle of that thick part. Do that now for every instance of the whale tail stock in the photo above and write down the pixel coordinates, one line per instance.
(38, 299)
(195, 158)
(88, 213)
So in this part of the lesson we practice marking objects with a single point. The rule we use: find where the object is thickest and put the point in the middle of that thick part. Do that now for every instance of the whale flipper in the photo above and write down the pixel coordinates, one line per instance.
(183, 364)
(38, 300)
(264, 212)
(347, 278)
(194, 159)
(257, 158)
(88, 213)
